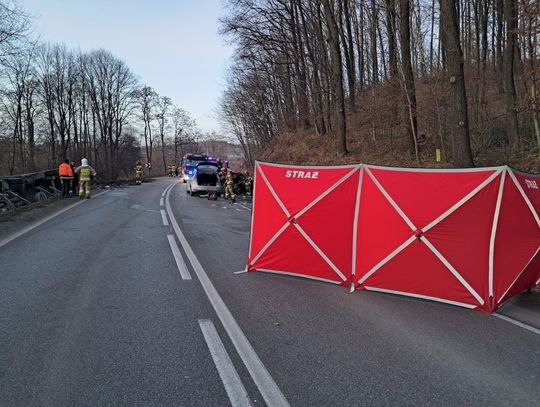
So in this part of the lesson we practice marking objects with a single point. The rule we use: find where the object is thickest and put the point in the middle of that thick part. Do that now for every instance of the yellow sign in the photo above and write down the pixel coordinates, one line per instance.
(438, 155)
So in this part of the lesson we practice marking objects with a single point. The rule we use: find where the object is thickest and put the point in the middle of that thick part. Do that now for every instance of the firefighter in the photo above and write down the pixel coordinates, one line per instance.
(247, 182)
(85, 178)
(229, 186)
(169, 169)
(138, 173)
(222, 176)
(173, 170)
(66, 177)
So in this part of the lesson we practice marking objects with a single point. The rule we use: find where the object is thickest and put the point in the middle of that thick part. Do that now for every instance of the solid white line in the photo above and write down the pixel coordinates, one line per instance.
(167, 189)
(27, 229)
(229, 376)
(268, 388)
(164, 218)
(240, 272)
(161, 201)
(520, 324)
(180, 263)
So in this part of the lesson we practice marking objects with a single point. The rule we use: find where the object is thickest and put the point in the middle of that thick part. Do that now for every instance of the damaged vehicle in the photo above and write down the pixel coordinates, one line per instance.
(205, 180)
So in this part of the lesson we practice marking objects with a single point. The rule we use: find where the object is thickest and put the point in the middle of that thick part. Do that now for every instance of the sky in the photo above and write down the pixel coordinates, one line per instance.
(171, 45)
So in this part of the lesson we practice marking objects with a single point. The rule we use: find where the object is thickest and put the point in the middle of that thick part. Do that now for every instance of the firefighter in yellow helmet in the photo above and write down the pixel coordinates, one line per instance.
(229, 186)
(248, 182)
(138, 173)
(85, 178)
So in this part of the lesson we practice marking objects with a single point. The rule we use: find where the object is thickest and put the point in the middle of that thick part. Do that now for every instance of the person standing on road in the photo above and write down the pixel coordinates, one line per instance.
(229, 186)
(85, 178)
(138, 173)
(66, 177)
(247, 182)
(75, 182)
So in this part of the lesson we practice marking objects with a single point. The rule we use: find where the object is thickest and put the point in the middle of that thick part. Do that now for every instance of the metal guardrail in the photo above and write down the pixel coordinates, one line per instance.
(20, 190)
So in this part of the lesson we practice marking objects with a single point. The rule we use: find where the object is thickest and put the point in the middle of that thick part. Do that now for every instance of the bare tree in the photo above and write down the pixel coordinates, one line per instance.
(459, 125)
(337, 78)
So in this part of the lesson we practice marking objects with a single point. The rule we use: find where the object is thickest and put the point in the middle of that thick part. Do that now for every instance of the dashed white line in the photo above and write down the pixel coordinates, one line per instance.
(229, 376)
(180, 263)
(164, 218)
(520, 324)
(268, 388)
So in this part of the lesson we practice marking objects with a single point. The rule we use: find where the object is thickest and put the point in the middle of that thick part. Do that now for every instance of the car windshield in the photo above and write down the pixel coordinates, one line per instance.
(192, 163)
(207, 168)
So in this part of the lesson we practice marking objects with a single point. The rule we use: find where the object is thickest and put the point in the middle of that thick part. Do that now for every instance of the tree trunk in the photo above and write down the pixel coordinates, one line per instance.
(337, 79)
(459, 122)
(510, 86)
(408, 78)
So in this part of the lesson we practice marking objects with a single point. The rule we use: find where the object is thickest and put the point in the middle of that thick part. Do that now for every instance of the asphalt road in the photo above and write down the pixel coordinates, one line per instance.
(96, 310)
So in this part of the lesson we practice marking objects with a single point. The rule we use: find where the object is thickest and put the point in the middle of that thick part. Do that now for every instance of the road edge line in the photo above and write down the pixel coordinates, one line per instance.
(517, 323)
(268, 388)
(40, 222)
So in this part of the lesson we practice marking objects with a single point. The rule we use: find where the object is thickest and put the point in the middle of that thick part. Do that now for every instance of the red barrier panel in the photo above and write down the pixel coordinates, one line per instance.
(465, 237)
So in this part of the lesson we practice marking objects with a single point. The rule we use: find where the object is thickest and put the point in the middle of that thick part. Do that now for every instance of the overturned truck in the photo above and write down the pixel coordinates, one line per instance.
(20, 190)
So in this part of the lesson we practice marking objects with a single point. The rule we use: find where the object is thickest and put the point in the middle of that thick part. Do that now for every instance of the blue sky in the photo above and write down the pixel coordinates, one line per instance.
(171, 45)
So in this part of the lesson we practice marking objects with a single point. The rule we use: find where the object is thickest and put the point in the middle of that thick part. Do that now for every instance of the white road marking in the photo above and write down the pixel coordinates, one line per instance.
(229, 376)
(170, 186)
(164, 218)
(240, 272)
(263, 380)
(239, 210)
(180, 263)
(520, 324)
(245, 207)
(161, 201)
(27, 229)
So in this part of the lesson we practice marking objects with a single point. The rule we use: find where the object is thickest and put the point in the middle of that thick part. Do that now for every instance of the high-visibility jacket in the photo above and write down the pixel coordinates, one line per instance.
(64, 170)
(85, 173)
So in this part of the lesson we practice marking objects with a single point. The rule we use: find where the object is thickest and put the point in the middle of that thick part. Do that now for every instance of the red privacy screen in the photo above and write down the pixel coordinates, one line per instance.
(465, 237)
